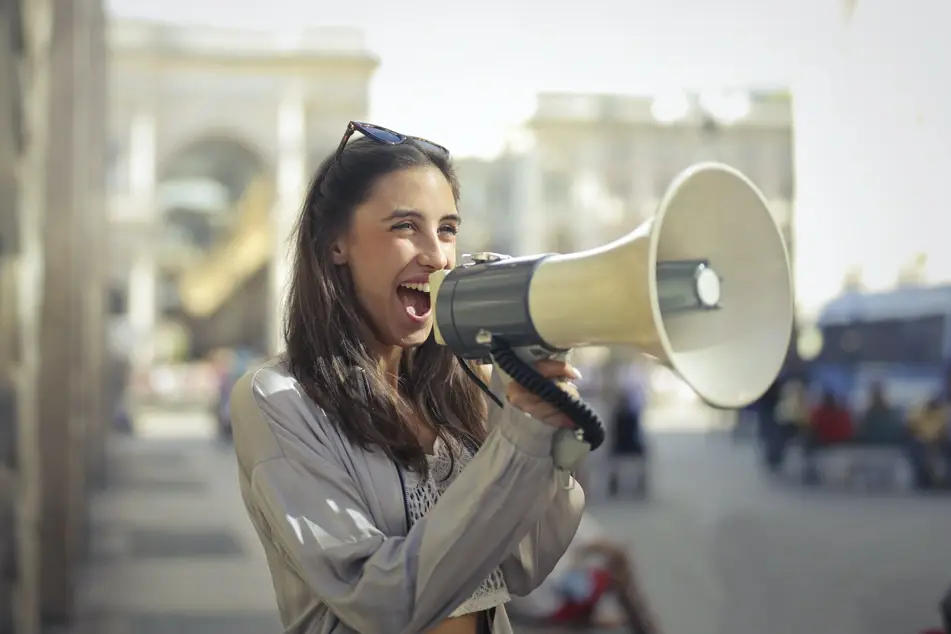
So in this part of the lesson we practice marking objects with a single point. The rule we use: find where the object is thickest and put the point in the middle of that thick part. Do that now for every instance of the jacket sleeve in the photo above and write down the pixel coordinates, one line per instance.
(374, 583)
(546, 542)
(548, 539)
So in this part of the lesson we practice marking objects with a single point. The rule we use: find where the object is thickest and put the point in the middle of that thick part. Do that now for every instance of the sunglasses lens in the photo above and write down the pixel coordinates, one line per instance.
(429, 146)
(382, 135)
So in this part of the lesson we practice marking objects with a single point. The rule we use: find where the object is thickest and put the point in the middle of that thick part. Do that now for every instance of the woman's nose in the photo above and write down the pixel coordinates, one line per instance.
(433, 255)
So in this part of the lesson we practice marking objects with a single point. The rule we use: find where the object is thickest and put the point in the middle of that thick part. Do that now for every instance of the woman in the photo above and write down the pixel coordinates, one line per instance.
(357, 448)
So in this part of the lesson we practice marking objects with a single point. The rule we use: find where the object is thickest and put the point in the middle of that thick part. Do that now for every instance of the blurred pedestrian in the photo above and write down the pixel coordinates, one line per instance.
(628, 462)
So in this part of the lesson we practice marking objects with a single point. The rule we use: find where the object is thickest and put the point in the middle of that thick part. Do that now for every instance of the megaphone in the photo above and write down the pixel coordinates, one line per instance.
(704, 287)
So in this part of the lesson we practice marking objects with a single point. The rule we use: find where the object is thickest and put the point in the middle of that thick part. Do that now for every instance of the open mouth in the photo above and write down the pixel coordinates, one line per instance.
(415, 299)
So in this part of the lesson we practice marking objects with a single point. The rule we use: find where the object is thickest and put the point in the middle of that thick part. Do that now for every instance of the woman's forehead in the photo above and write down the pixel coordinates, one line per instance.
(421, 189)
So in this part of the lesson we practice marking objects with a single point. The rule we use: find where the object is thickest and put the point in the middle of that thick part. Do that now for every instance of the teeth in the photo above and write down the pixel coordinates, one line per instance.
(417, 286)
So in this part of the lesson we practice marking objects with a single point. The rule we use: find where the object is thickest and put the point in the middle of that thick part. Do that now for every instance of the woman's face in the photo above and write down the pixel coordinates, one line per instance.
(405, 230)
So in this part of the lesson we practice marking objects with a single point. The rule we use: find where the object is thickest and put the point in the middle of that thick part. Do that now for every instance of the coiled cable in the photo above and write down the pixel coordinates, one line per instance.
(580, 413)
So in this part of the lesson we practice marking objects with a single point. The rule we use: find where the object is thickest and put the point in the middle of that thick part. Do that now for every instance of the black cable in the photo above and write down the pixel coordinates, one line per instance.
(528, 377)
(475, 377)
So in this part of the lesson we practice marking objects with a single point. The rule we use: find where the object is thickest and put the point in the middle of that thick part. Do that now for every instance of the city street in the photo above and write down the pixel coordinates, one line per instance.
(721, 551)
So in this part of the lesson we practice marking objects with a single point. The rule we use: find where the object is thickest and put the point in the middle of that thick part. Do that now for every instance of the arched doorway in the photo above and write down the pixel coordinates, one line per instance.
(202, 194)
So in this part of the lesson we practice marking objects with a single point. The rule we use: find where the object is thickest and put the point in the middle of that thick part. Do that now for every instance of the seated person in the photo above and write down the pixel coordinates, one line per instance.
(929, 423)
(881, 423)
(830, 423)
(593, 585)
(928, 440)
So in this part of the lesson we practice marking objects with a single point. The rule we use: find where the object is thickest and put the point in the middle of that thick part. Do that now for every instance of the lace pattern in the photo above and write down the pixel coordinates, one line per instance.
(421, 494)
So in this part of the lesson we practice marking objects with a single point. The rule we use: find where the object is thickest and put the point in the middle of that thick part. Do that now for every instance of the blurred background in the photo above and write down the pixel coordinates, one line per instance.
(153, 157)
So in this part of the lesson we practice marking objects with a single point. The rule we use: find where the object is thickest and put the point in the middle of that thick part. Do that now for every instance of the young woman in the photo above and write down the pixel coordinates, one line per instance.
(386, 495)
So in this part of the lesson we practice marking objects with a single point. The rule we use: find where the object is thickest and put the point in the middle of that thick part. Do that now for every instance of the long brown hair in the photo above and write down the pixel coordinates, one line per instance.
(324, 323)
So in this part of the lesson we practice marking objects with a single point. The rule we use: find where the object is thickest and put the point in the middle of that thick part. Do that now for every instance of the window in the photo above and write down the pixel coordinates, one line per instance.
(917, 340)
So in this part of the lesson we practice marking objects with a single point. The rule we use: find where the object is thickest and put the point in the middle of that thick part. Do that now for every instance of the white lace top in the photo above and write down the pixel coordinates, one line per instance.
(422, 493)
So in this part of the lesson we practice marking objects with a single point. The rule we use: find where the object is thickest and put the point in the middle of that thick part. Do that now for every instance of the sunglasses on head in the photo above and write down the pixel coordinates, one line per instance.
(388, 137)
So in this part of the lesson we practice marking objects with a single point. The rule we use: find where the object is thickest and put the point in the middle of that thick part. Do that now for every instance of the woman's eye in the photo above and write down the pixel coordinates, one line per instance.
(403, 226)
(450, 229)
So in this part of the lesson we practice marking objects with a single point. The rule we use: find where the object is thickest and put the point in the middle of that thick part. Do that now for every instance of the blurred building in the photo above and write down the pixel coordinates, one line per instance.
(599, 164)
(489, 202)
(213, 135)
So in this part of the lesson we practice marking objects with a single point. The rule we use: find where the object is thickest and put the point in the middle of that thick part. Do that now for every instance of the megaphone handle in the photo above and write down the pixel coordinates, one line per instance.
(569, 447)
(530, 355)
(511, 364)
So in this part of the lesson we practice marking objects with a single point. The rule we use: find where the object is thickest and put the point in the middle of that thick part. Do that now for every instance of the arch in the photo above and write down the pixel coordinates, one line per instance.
(199, 184)
(216, 155)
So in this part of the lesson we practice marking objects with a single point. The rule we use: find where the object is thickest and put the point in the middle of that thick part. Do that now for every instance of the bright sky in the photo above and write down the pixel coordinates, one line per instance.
(467, 74)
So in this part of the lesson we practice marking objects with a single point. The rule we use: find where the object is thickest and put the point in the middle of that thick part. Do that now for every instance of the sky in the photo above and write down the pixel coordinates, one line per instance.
(871, 131)
(466, 75)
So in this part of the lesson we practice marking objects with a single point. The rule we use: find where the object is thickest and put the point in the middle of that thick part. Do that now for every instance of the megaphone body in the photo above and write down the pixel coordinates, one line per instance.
(704, 287)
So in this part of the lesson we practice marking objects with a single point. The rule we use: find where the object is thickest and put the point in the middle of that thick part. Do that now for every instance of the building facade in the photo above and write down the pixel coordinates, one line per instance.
(599, 164)
(214, 134)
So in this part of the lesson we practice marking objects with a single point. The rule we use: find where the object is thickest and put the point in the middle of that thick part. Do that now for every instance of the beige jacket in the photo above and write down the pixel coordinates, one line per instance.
(332, 518)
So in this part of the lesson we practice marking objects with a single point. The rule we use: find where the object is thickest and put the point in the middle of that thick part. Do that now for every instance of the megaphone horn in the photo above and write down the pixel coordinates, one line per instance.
(703, 287)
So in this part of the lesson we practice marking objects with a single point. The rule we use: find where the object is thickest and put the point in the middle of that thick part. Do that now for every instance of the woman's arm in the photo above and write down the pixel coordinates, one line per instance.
(319, 519)
(548, 539)
(546, 542)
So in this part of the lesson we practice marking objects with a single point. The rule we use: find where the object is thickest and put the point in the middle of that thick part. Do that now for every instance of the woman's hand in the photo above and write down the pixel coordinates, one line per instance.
(534, 406)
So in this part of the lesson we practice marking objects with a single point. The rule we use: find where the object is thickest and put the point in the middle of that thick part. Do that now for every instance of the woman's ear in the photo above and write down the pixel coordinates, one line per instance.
(339, 252)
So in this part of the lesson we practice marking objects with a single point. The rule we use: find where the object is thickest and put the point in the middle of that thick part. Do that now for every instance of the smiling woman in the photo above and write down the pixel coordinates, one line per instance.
(387, 496)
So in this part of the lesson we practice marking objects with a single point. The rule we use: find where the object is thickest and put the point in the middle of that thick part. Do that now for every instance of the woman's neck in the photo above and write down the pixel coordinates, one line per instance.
(389, 358)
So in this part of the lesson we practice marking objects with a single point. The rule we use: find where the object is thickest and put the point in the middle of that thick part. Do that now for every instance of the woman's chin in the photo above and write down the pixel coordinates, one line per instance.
(416, 337)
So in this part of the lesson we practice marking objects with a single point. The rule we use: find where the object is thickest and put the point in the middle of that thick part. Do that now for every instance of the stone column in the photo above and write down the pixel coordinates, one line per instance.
(9, 322)
(291, 187)
(36, 18)
(91, 161)
(143, 278)
(59, 413)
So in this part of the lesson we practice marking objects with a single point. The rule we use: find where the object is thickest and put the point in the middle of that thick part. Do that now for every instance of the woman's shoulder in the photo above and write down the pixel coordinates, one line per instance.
(271, 416)
(272, 388)
(270, 378)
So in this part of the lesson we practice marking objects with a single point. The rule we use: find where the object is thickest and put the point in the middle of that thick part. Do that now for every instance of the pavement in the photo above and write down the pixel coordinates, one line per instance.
(720, 549)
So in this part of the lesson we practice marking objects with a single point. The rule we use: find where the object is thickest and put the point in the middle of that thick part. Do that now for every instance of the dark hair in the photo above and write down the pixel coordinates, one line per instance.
(325, 325)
